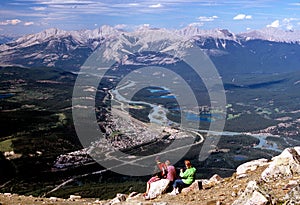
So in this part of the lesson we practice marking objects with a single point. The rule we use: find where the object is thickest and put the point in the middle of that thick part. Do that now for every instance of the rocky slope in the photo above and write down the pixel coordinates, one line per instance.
(259, 182)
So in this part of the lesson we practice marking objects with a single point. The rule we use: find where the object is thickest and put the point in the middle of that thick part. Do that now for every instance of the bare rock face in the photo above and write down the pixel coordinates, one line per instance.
(252, 195)
(214, 180)
(250, 166)
(283, 171)
(293, 196)
(284, 165)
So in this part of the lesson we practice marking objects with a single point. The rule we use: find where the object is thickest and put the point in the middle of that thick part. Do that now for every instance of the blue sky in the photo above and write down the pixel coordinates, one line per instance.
(30, 16)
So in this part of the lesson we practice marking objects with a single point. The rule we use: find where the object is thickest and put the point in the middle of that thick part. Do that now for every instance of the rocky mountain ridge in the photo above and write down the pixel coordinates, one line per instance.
(259, 182)
(70, 49)
(105, 31)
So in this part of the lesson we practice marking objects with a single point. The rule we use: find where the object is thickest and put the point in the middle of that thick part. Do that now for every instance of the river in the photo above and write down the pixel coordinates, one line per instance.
(158, 115)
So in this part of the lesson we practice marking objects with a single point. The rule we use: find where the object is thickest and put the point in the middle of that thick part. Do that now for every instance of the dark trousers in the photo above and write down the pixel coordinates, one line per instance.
(179, 184)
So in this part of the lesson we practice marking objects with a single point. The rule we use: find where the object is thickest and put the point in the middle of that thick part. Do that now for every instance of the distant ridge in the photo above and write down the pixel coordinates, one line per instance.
(259, 51)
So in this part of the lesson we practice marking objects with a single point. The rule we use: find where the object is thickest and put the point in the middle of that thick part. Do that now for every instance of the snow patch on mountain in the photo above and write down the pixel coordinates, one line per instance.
(145, 40)
(55, 47)
(272, 34)
(191, 31)
(81, 37)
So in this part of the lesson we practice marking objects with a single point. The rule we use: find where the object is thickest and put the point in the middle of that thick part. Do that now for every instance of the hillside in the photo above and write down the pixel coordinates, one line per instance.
(255, 182)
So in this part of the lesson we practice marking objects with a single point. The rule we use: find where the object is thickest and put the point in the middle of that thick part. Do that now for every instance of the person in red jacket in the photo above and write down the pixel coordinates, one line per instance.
(160, 172)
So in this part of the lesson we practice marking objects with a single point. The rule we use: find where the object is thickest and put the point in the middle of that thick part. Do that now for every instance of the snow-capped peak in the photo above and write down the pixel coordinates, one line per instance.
(192, 31)
(81, 36)
(53, 47)
(43, 35)
(32, 39)
(104, 31)
(272, 34)
(189, 31)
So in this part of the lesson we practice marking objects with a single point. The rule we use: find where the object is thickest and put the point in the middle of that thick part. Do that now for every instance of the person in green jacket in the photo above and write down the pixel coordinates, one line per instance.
(187, 178)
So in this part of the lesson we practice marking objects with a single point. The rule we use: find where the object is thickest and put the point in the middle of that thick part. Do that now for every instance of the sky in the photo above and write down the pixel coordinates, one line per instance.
(18, 17)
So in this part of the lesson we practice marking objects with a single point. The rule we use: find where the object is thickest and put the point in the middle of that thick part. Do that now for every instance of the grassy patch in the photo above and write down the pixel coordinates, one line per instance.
(6, 146)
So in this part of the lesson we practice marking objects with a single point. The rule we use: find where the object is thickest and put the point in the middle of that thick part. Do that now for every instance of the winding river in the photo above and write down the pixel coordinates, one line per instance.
(158, 115)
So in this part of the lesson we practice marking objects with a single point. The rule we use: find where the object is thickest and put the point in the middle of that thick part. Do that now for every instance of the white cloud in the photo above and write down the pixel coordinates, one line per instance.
(286, 23)
(242, 17)
(156, 6)
(207, 18)
(10, 22)
(274, 24)
(295, 4)
(49, 2)
(9, 13)
(288, 20)
(28, 23)
(133, 4)
(196, 24)
(38, 8)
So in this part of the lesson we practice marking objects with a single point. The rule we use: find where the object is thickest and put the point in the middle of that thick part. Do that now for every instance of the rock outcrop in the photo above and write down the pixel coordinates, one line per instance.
(252, 195)
(242, 170)
(196, 185)
(157, 188)
(284, 165)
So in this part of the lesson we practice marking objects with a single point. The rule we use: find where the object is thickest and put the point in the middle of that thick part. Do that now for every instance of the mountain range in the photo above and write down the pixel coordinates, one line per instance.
(262, 51)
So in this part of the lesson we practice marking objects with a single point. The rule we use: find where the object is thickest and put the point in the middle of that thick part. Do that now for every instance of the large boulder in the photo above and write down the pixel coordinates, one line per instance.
(250, 166)
(203, 184)
(252, 195)
(196, 185)
(211, 182)
(284, 165)
(157, 188)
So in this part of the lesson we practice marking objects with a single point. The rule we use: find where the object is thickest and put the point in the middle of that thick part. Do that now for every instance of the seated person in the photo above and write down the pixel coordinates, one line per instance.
(159, 173)
(187, 178)
(171, 173)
